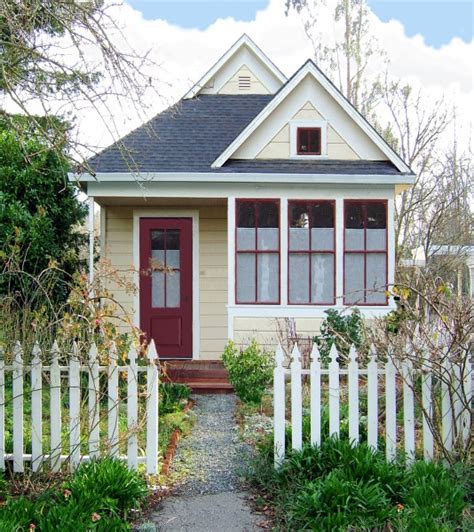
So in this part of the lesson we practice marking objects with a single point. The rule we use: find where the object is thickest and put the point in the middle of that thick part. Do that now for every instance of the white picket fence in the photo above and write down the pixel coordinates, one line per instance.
(54, 456)
(379, 379)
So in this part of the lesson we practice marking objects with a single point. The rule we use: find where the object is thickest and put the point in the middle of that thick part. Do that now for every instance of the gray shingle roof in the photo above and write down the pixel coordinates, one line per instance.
(189, 136)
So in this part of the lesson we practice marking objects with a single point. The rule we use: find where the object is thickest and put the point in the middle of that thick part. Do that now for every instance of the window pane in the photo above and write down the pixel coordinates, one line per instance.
(355, 239)
(354, 226)
(245, 238)
(376, 239)
(157, 259)
(322, 273)
(246, 277)
(322, 239)
(354, 278)
(157, 289)
(267, 214)
(376, 278)
(315, 140)
(267, 238)
(172, 248)
(157, 248)
(299, 239)
(376, 216)
(302, 138)
(298, 278)
(245, 214)
(322, 214)
(173, 297)
(299, 215)
(268, 273)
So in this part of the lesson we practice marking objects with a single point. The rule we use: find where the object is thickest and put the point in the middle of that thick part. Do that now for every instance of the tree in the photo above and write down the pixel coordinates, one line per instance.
(40, 214)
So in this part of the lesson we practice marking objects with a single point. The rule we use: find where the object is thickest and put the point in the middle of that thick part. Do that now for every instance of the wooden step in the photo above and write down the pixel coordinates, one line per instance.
(202, 376)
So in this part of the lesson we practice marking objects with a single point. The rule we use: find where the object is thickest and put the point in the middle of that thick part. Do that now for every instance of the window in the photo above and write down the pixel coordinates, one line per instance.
(311, 252)
(365, 253)
(257, 263)
(308, 141)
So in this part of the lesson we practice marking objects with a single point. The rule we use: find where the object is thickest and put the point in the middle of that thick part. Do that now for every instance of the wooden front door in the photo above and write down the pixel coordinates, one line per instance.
(166, 285)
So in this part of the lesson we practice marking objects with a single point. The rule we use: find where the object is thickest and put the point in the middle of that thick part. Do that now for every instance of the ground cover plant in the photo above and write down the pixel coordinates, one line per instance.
(340, 486)
(100, 495)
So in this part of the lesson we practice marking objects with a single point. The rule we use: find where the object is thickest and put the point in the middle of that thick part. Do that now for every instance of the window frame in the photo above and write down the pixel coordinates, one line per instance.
(256, 251)
(311, 252)
(300, 130)
(364, 251)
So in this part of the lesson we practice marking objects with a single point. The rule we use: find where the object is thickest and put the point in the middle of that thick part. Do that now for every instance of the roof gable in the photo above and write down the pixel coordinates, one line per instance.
(243, 53)
(310, 84)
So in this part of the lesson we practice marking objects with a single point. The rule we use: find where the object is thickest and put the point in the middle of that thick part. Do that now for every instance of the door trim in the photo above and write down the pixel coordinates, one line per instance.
(169, 213)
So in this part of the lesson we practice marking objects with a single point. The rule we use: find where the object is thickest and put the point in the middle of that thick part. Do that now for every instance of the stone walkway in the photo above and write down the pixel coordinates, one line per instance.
(207, 495)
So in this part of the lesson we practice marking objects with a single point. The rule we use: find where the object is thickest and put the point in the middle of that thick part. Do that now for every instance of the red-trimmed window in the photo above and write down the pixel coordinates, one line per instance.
(257, 261)
(365, 252)
(311, 253)
(308, 141)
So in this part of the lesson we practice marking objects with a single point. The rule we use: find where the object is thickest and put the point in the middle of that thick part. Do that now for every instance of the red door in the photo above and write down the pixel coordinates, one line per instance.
(166, 285)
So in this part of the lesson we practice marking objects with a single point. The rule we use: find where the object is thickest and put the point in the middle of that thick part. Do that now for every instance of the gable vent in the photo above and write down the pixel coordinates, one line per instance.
(244, 82)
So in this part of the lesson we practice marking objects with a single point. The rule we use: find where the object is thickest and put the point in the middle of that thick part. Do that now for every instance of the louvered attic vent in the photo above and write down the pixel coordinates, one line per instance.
(244, 82)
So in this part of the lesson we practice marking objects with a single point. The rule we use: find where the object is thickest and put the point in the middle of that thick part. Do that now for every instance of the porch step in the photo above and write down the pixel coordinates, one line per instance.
(202, 376)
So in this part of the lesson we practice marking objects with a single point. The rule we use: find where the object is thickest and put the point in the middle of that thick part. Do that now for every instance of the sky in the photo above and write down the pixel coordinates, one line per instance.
(428, 43)
(438, 21)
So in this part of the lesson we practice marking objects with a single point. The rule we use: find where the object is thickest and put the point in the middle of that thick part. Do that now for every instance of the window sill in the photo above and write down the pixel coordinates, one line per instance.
(305, 311)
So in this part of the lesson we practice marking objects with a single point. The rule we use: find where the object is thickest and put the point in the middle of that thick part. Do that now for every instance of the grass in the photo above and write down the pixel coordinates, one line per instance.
(338, 486)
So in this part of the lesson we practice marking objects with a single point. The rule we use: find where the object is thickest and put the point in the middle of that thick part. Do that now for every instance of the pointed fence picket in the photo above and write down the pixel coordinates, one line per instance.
(344, 383)
(83, 420)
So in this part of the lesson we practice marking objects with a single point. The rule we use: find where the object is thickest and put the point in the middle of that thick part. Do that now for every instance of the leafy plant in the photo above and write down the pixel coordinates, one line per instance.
(250, 370)
(341, 330)
(173, 396)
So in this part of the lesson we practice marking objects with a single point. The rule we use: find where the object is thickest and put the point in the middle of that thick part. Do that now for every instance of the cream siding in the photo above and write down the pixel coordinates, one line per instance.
(279, 146)
(118, 250)
(232, 86)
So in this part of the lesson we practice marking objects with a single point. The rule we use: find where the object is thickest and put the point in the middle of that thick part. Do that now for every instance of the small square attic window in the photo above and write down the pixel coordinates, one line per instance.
(308, 141)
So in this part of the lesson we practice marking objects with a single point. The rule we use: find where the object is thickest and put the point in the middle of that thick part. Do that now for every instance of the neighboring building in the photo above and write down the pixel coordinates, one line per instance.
(267, 197)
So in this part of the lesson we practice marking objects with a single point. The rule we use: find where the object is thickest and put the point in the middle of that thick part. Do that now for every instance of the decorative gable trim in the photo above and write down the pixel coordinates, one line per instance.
(245, 40)
(309, 68)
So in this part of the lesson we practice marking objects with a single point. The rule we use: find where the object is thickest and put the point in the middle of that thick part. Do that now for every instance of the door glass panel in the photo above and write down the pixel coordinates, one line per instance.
(246, 277)
(158, 249)
(268, 277)
(322, 265)
(173, 290)
(172, 248)
(299, 278)
(376, 278)
(354, 278)
(157, 289)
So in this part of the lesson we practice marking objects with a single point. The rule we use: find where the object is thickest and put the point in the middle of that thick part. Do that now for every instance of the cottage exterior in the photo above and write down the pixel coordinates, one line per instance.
(264, 197)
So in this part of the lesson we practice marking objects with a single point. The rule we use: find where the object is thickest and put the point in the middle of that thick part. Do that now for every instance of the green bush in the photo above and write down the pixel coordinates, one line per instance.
(339, 486)
(250, 370)
(98, 497)
(173, 397)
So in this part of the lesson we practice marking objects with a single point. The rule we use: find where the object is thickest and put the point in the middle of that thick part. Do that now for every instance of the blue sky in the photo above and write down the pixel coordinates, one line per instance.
(437, 20)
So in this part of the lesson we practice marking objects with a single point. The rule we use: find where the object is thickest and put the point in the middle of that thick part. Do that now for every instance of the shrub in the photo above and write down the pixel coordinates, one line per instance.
(173, 396)
(250, 370)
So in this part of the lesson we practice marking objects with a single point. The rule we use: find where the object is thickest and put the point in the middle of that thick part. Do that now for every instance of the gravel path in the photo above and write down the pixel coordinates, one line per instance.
(207, 495)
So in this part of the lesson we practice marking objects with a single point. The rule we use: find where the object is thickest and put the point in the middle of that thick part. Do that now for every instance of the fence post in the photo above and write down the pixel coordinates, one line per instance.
(390, 409)
(36, 408)
(18, 408)
(55, 408)
(279, 407)
(408, 410)
(113, 402)
(152, 411)
(466, 417)
(296, 400)
(427, 403)
(353, 394)
(74, 408)
(446, 410)
(132, 408)
(333, 392)
(315, 376)
(372, 400)
(2, 409)
(94, 403)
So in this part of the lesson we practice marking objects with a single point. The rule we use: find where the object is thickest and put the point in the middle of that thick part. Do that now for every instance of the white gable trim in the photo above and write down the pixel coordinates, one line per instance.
(245, 40)
(310, 68)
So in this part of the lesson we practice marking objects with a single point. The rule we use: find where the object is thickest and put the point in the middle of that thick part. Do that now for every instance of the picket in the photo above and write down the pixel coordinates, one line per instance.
(113, 403)
(334, 392)
(372, 400)
(152, 410)
(132, 409)
(315, 382)
(74, 408)
(93, 402)
(408, 410)
(390, 410)
(17, 387)
(2, 409)
(36, 408)
(446, 410)
(55, 408)
(279, 406)
(296, 400)
(427, 404)
(353, 394)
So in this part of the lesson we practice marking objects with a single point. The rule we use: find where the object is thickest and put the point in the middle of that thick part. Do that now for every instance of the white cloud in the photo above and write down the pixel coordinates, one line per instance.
(185, 54)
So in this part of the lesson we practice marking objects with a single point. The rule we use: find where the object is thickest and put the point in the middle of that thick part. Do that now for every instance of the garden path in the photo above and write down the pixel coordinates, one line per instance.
(208, 495)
